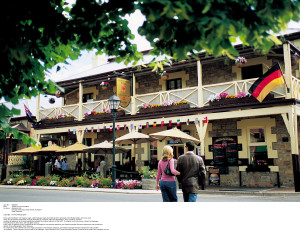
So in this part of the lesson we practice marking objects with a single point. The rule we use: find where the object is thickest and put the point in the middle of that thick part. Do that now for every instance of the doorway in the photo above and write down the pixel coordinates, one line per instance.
(178, 150)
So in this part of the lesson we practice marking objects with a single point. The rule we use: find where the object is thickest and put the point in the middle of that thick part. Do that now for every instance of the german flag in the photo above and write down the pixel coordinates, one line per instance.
(265, 84)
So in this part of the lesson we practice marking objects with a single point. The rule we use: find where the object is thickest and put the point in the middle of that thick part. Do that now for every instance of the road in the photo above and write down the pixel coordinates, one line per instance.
(25, 195)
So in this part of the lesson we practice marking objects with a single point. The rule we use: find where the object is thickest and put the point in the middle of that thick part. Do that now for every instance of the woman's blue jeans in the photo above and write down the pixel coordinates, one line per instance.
(169, 191)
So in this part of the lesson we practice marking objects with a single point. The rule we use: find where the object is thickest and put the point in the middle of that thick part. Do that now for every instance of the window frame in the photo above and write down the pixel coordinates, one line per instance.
(170, 80)
(255, 144)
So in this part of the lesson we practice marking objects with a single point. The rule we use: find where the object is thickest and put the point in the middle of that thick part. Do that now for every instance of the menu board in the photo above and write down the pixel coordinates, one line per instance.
(225, 151)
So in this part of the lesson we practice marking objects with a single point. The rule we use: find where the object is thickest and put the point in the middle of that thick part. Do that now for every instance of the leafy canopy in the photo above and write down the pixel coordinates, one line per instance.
(36, 35)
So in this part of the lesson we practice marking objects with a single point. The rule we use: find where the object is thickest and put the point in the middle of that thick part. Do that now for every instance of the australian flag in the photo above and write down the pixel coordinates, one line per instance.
(29, 117)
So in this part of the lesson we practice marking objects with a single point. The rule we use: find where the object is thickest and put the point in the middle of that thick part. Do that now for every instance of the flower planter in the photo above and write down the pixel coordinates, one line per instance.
(165, 108)
(104, 115)
(243, 100)
(59, 120)
(164, 77)
(104, 87)
(148, 184)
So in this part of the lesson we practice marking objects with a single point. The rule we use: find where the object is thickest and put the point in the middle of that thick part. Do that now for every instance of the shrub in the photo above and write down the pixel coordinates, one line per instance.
(128, 184)
(147, 173)
(42, 181)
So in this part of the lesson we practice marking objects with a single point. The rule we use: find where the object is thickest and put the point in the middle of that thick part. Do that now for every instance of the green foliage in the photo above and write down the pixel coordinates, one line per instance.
(179, 27)
(34, 39)
(147, 173)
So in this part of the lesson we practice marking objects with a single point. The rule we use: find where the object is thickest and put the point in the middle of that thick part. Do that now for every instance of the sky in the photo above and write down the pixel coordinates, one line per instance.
(85, 61)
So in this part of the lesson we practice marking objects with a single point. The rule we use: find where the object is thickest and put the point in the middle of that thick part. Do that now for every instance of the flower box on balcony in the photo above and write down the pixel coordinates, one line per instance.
(104, 115)
(58, 120)
(244, 100)
(165, 108)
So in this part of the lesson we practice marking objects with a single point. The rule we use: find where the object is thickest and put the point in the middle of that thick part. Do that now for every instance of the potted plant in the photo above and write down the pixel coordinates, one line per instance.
(104, 85)
(148, 177)
(58, 119)
(240, 61)
(168, 105)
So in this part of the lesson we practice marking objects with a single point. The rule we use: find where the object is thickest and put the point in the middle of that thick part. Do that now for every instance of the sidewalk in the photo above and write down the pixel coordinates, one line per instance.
(217, 190)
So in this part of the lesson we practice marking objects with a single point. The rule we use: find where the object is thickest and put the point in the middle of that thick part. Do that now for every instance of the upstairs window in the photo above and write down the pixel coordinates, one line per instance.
(174, 84)
(86, 97)
(254, 71)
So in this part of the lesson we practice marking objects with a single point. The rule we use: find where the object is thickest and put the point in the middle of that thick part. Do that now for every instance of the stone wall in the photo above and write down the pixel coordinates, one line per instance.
(217, 72)
(284, 160)
(148, 83)
(222, 128)
(259, 179)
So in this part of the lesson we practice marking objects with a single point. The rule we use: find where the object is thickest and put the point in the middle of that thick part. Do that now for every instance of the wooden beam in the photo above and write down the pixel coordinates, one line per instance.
(200, 93)
(288, 69)
(286, 122)
(38, 105)
(80, 115)
(249, 113)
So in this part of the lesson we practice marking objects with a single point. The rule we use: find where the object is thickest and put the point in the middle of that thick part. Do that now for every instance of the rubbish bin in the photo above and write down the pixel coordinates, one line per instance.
(47, 168)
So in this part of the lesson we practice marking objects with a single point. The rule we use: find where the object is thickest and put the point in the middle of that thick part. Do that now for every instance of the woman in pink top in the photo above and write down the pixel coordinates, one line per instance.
(167, 184)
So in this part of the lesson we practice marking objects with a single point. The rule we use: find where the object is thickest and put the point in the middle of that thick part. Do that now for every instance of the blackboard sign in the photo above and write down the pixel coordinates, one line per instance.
(225, 151)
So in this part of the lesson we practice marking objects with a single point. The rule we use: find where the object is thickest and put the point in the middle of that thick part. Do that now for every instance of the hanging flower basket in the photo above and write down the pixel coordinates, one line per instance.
(240, 61)
(58, 93)
(104, 85)
(164, 75)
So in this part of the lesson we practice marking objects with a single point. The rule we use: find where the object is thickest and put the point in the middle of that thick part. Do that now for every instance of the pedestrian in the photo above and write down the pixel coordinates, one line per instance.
(64, 164)
(192, 170)
(102, 167)
(167, 183)
(57, 163)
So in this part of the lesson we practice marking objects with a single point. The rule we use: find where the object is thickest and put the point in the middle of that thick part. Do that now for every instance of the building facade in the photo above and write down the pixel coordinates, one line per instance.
(243, 142)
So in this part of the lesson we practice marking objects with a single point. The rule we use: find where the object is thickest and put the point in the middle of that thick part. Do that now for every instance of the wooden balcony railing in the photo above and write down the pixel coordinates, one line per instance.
(192, 95)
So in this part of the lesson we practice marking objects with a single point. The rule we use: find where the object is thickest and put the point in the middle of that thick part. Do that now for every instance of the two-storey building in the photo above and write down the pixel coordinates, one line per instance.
(244, 142)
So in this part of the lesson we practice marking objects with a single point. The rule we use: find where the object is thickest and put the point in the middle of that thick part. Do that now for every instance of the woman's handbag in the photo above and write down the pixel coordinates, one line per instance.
(168, 170)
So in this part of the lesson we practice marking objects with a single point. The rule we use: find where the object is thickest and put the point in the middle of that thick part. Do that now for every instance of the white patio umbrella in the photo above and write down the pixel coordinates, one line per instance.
(105, 147)
(174, 134)
(134, 138)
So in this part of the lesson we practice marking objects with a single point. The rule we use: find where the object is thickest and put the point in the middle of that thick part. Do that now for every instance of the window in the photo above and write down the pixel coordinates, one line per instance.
(258, 149)
(253, 71)
(87, 141)
(87, 97)
(174, 84)
(153, 155)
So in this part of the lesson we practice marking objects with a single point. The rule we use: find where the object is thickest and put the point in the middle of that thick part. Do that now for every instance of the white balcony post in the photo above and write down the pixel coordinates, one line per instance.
(133, 97)
(200, 93)
(288, 68)
(38, 105)
(80, 101)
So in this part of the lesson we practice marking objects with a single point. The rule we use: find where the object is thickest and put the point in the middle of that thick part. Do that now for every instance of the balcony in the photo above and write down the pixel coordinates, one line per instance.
(196, 97)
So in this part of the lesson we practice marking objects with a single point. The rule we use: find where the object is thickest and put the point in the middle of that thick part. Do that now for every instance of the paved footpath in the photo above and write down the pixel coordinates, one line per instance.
(218, 190)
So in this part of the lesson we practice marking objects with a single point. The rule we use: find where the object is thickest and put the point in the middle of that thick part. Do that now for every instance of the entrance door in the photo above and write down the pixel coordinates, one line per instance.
(178, 150)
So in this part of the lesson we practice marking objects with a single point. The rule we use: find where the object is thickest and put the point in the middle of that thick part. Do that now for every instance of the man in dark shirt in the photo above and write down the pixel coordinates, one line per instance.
(192, 169)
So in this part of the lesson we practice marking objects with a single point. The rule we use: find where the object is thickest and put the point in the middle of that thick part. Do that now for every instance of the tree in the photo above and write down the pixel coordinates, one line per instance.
(36, 35)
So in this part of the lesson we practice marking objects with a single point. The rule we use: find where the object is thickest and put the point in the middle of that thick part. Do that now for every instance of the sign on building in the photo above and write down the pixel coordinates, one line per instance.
(123, 91)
